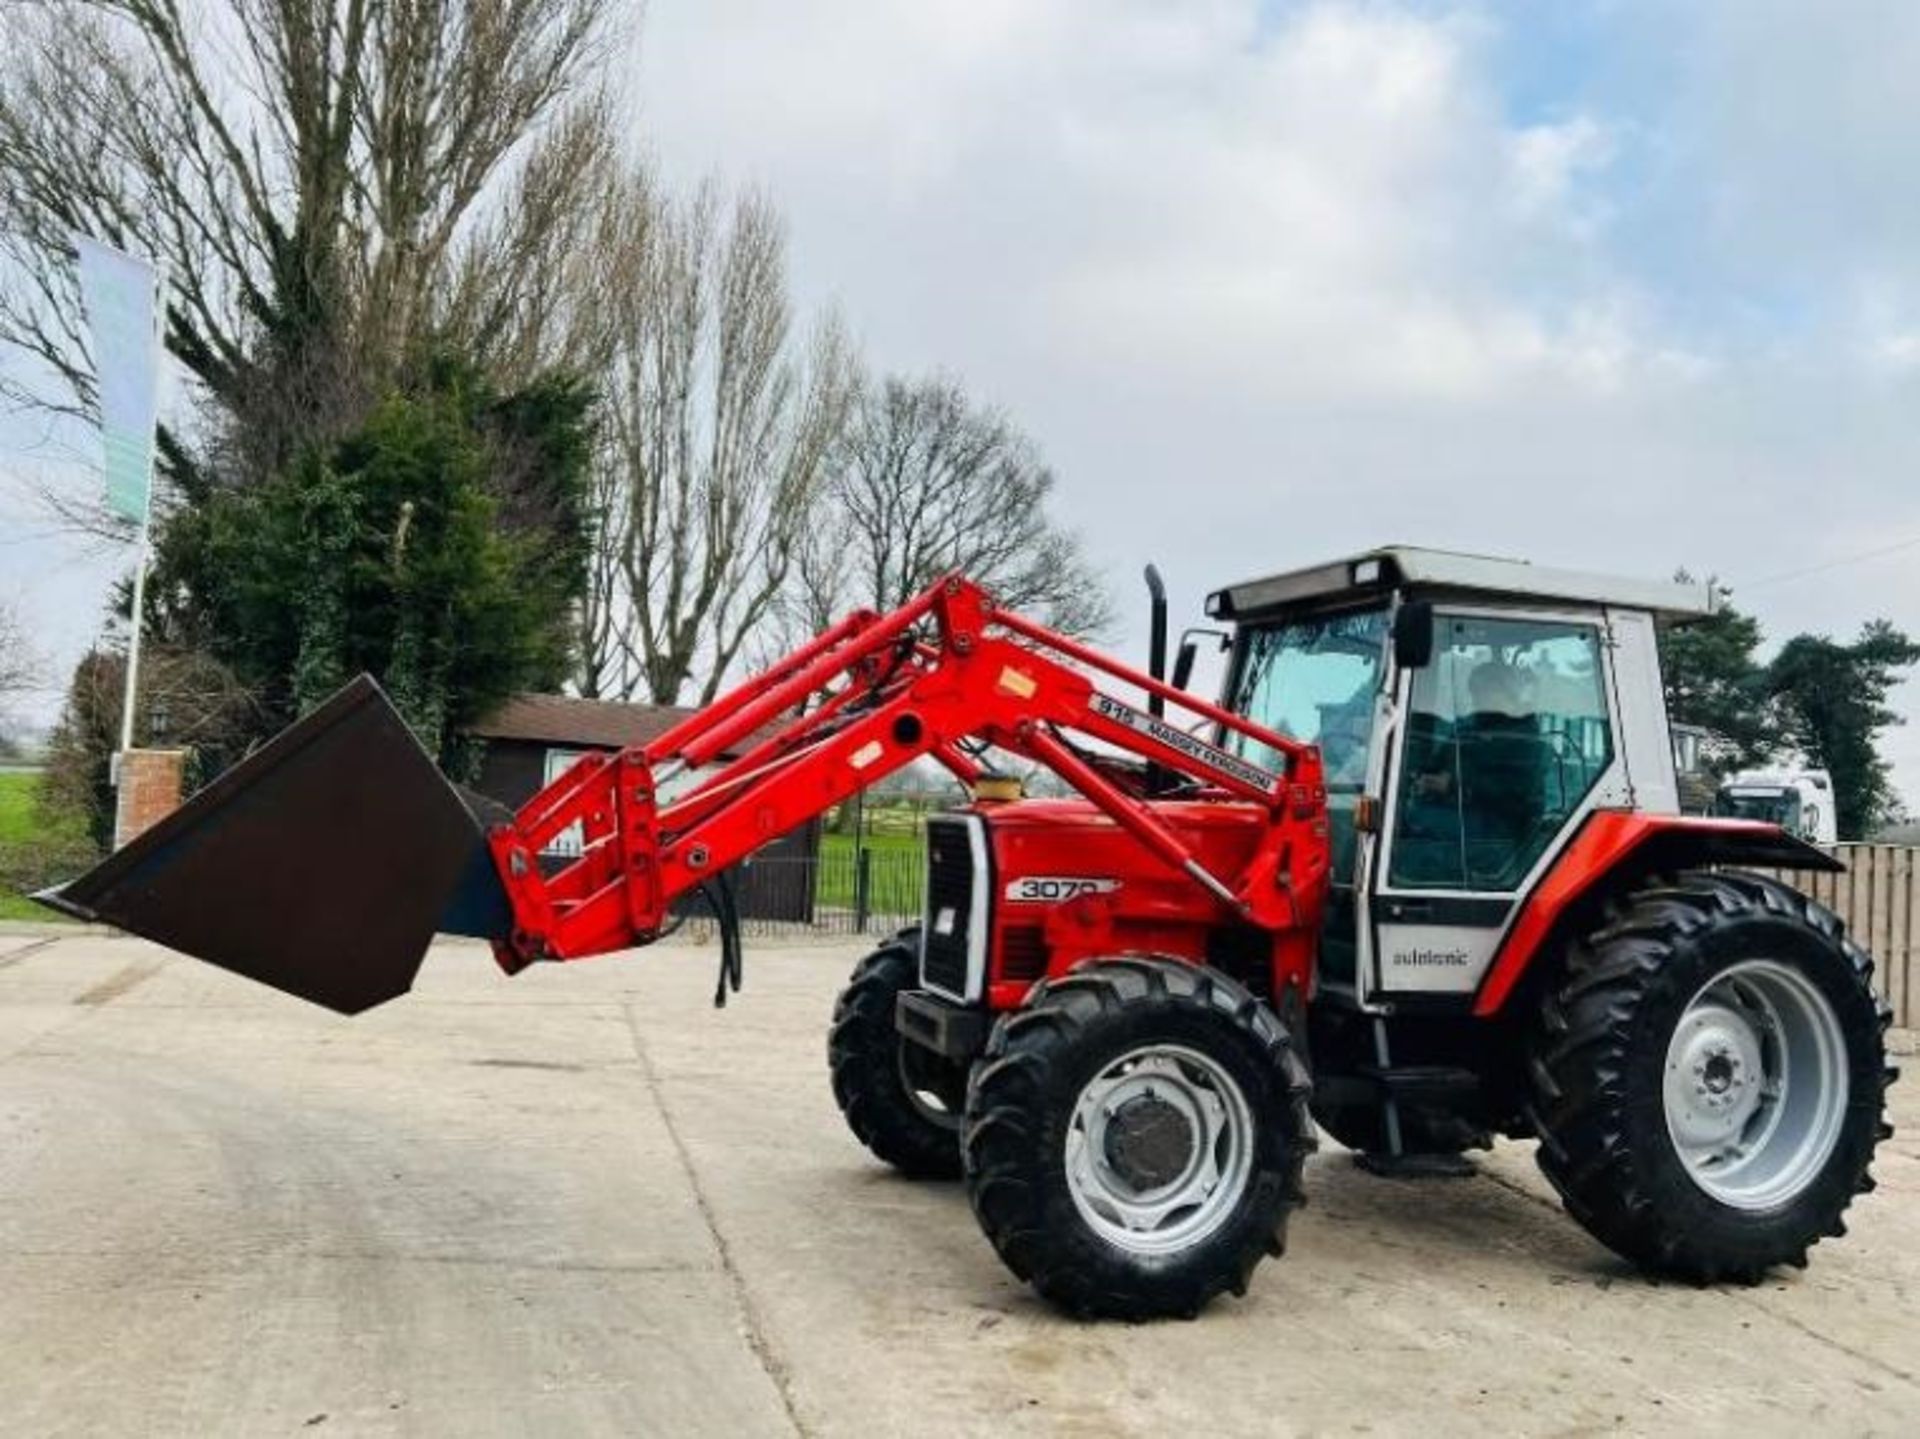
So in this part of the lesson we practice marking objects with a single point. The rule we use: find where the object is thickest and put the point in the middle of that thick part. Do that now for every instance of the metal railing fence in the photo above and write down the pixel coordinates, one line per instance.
(840, 890)
(1878, 899)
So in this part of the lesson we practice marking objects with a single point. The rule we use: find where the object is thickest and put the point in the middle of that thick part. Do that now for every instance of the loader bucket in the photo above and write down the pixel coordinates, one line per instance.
(322, 864)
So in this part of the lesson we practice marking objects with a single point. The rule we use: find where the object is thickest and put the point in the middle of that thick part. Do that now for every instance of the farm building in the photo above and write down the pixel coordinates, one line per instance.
(531, 739)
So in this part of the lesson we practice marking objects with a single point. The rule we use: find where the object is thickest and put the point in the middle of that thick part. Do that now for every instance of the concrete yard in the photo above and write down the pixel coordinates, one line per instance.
(582, 1202)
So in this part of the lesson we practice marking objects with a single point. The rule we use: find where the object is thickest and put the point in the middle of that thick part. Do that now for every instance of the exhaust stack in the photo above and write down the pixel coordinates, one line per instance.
(322, 864)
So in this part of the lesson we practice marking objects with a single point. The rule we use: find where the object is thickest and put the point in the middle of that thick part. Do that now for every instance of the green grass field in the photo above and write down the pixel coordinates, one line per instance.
(20, 824)
(896, 871)
(842, 844)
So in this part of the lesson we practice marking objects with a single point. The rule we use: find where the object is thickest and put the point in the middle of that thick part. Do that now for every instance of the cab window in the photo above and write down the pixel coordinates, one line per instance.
(1315, 680)
(1507, 731)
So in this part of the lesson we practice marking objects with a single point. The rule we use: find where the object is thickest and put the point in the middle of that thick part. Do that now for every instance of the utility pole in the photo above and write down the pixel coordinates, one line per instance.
(135, 624)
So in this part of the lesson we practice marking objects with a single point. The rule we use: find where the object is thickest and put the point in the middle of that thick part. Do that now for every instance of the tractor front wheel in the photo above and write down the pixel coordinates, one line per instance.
(1134, 1139)
(1709, 1077)
(900, 1100)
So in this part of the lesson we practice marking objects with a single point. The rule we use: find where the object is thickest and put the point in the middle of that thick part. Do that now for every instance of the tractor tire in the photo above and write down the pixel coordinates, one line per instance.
(1135, 1135)
(900, 1100)
(1709, 1077)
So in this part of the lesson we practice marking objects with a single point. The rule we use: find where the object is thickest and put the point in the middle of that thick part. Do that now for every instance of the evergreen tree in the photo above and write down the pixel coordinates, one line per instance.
(1714, 681)
(439, 547)
(1833, 699)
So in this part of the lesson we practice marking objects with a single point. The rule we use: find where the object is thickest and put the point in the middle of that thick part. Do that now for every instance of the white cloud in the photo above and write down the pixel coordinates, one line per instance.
(1269, 282)
(1898, 351)
(1272, 282)
(1551, 162)
(1327, 199)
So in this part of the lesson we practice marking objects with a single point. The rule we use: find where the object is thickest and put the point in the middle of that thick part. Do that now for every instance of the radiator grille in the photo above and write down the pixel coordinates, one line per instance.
(1023, 952)
(948, 941)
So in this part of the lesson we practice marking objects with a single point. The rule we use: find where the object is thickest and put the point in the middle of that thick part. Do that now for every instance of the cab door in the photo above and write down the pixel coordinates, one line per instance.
(1317, 677)
(1502, 744)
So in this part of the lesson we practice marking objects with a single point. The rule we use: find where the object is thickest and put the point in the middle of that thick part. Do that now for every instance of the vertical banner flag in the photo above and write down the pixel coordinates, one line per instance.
(120, 296)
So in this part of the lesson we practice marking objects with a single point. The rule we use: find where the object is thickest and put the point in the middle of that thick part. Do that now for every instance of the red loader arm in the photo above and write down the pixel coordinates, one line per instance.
(324, 863)
(944, 675)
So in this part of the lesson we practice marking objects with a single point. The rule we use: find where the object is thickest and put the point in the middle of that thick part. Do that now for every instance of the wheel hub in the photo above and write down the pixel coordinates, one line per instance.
(1719, 1071)
(1159, 1149)
(1148, 1142)
(1755, 1086)
(1715, 1074)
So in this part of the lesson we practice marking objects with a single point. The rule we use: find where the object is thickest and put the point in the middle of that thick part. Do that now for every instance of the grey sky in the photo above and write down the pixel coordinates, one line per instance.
(1614, 285)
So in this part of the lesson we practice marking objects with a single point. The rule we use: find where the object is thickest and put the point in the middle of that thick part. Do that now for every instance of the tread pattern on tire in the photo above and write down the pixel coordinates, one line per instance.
(862, 1060)
(1005, 1104)
(1580, 1060)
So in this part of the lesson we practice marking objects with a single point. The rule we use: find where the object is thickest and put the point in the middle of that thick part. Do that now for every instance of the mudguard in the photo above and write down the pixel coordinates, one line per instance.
(1613, 841)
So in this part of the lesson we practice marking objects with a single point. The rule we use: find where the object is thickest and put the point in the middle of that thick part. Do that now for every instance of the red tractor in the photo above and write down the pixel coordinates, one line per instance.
(1419, 878)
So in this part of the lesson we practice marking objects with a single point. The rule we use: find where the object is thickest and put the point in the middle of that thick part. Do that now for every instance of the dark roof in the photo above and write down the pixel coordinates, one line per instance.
(584, 724)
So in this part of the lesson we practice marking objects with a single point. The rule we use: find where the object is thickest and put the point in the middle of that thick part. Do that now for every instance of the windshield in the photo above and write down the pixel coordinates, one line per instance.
(1774, 806)
(1314, 680)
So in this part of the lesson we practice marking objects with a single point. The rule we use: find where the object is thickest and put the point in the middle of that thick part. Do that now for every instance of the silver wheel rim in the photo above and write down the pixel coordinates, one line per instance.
(1189, 1116)
(1756, 1084)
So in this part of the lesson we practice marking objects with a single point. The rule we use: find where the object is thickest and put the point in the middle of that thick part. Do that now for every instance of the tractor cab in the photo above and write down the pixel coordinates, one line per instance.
(1471, 713)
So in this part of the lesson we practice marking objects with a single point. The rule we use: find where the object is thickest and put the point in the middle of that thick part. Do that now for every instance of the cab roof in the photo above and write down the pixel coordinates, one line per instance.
(1453, 573)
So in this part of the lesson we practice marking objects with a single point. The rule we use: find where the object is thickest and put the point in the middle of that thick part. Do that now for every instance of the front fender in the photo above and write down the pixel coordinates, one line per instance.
(1616, 844)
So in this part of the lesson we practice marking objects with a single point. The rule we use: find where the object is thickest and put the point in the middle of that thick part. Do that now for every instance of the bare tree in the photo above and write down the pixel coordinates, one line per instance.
(594, 290)
(524, 294)
(718, 424)
(20, 665)
(606, 647)
(314, 175)
(191, 702)
(925, 482)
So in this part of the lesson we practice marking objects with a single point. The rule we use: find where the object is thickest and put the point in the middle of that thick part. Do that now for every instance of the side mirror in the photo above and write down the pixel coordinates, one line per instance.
(1413, 635)
(1189, 651)
(1183, 663)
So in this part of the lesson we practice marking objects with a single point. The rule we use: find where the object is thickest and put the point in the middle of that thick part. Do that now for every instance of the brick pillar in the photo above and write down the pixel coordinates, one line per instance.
(150, 784)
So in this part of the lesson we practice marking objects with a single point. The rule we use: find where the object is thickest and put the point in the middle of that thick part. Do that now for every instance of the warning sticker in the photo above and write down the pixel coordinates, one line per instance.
(1017, 682)
(1199, 751)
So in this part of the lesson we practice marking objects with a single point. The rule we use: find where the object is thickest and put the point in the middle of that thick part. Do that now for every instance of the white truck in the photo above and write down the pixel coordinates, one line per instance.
(1800, 801)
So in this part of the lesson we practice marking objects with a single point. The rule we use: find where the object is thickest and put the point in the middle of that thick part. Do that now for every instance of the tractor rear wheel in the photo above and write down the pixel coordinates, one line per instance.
(1709, 1077)
(900, 1099)
(1135, 1135)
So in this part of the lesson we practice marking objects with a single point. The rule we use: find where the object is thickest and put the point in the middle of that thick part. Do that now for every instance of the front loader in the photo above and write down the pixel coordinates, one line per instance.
(1417, 878)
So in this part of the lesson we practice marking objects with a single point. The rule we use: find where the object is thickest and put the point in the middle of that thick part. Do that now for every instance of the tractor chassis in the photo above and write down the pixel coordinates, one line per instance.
(949, 1028)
